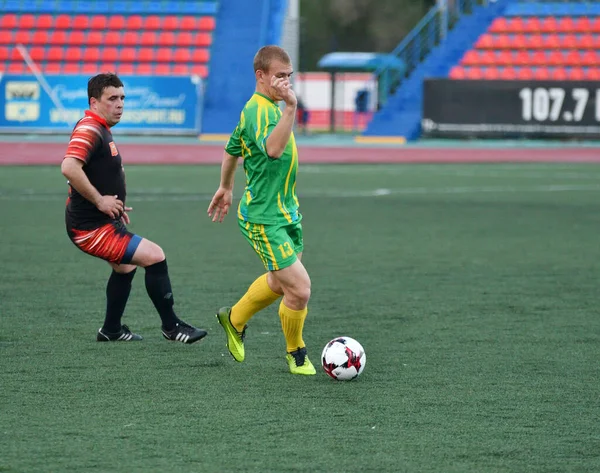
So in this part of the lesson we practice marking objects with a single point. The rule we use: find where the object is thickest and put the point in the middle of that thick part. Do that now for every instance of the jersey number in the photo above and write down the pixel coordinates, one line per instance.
(286, 249)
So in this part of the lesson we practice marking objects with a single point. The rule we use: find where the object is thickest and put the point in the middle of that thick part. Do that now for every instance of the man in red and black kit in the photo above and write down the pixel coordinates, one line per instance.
(96, 216)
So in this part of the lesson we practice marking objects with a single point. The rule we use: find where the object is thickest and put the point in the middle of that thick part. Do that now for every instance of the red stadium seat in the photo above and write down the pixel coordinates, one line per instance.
(505, 58)
(163, 55)
(170, 23)
(182, 55)
(98, 22)
(126, 68)
(200, 70)
(485, 41)
(130, 38)
(592, 74)
(134, 23)
(95, 38)
(162, 69)
(23, 37)
(582, 25)
(17, 68)
(474, 73)
(42, 37)
(595, 26)
(91, 54)
(146, 55)
(15, 55)
(63, 22)
(557, 74)
(508, 73)
(487, 58)
(6, 37)
(8, 21)
(525, 73)
(52, 67)
(541, 73)
(71, 68)
(575, 73)
(556, 58)
(566, 25)
(109, 54)
(112, 38)
(188, 23)
(548, 25)
(515, 25)
(502, 42)
(81, 22)
(203, 40)
(144, 69)
(127, 55)
(523, 58)
(76, 38)
(532, 25)
(184, 38)
(55, 53)
(107, 66)
(533, 41)
(470, 58)
(116, 22)
(457, 73)
(206, 23)
(585, 41)
(4, 53)
(182, 69)
(166, 38)
(573, 58)
(499, 25)
(152, 22)
(551, 42)
(148, 38)
(73, 54)
(44, 22)
(89, 68)
(491, 73)
(200, 55)
(26, 22)
(590, 58)
(519, 41)
(568, 41)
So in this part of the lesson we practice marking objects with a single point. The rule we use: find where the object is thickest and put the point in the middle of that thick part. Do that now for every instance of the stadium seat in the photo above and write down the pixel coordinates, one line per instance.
(81, 22)
(182, 55)
(200, 70)
(17, 68)
(188, 23)
(148, 38)
(6, 37)
(591, 74)
(166, 38)
(474, 73)
(95, 38)
(52, 67)
(533, 41)
(71, 68)
(22, 37)
(98, 22)
(184, 38)
(162, 69)
(470, 58)
(170, 23)
(200, 55)
(548, 25)
(3, 53)
(181, 69)
(491, 73)
(76, 38)
(109, 54)
(152, 22)
(508, 73)
(206, 23)
(485, 41)
(128, 54)
(44, 22)
(91, 54)
(557, 74)
(134, 23)
(565, 25)
(525, 73)
(146, 55)
(143, 68)
(8, 21)
(73, 54)
(116, 22)
(130, 38)
(63, 22)
(203, 40)
(42, 37)
(163, 55)
(89, 68)
(457, 72)
(505, 58)
(126, 68)
(575, 73)
(112, 38)
(55, 53)
(26, 22)
(568, 41)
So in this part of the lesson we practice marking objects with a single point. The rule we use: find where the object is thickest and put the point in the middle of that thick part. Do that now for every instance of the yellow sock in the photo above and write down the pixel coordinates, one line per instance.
(258, 296)
(292, 322)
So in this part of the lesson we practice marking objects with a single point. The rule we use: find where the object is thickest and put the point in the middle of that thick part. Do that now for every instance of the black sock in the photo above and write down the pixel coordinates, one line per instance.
(117, 293)
(158, 285)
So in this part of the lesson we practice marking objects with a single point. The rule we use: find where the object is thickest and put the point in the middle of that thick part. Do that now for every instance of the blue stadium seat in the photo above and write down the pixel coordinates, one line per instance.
(552, 9)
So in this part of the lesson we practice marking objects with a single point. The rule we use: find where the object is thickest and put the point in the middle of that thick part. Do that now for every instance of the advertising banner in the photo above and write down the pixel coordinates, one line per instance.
(484, 108)
(153, 105)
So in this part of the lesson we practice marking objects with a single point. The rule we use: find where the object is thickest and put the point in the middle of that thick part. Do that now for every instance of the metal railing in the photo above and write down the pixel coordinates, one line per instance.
(417, 44)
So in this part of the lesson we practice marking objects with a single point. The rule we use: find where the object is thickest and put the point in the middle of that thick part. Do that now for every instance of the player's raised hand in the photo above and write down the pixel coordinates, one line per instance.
(220, 203)
(110, 205)
(283, 89)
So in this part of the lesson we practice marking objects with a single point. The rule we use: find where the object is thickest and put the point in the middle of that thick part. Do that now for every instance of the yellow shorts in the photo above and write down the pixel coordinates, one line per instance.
(277, 245)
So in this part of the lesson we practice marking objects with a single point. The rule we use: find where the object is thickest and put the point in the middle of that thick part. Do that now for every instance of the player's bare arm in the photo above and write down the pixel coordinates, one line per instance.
(72, 169)
(280, 136)
(221, 201)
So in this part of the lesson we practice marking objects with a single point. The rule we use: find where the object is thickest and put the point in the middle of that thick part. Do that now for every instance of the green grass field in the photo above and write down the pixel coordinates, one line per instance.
(473, 288)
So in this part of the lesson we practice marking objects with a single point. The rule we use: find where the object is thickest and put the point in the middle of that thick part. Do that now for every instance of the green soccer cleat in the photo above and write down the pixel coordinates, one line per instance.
(235, 339)
(299, 363)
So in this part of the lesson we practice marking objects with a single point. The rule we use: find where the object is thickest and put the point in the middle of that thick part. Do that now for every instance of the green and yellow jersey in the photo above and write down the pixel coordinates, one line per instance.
(270, 194)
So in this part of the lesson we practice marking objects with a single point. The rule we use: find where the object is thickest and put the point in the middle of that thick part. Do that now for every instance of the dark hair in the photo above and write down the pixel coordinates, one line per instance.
(264, 56)
(98, 83)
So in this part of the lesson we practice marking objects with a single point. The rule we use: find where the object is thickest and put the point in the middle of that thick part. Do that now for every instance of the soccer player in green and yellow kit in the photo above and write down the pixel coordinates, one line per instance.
(268, 211)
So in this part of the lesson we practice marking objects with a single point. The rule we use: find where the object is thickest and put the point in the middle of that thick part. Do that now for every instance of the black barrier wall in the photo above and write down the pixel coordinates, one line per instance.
(517, 109)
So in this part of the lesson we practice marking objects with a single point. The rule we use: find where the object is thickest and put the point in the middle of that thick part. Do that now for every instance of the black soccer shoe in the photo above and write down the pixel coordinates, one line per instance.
(123, 335)
(184, 333)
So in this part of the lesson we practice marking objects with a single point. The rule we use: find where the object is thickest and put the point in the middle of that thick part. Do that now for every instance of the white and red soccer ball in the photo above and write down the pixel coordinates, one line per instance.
(343, 358)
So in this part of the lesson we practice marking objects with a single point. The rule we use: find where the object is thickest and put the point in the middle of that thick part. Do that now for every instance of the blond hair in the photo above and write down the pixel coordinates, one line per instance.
(264, 56)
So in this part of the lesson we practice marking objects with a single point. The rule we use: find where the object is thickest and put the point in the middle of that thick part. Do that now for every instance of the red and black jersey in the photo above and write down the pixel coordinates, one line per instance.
(92, 143)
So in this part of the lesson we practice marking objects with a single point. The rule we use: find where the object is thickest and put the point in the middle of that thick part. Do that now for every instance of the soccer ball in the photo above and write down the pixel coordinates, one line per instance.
(343, 358)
